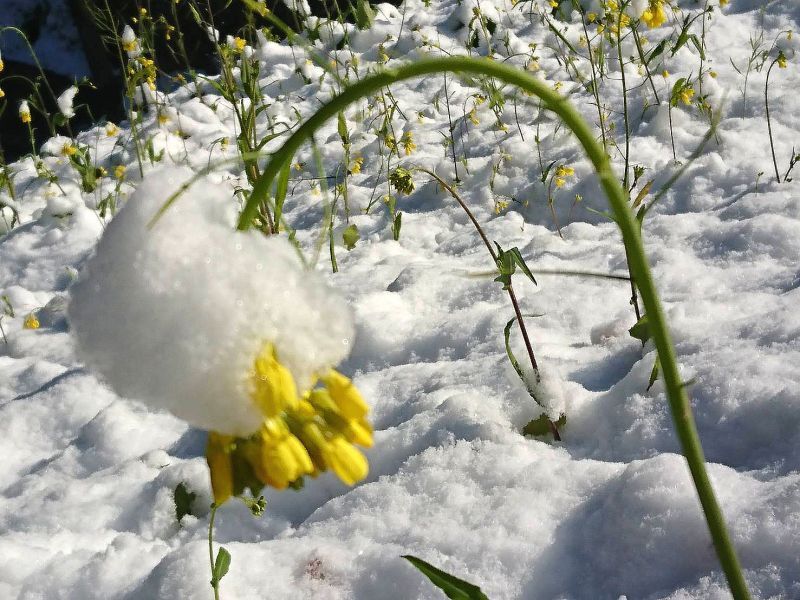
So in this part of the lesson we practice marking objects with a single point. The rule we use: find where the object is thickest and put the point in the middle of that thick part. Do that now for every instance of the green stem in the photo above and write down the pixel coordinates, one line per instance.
(618, 198)
(214, 582)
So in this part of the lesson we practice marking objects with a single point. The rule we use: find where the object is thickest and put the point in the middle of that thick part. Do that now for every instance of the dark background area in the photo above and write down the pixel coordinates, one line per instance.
(82, 54)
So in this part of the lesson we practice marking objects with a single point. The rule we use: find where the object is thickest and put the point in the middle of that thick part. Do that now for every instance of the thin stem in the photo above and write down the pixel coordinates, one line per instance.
(769, 122)
(214, 582)
(644, 62)
(624, 99)
(510, 288)
(680, 406)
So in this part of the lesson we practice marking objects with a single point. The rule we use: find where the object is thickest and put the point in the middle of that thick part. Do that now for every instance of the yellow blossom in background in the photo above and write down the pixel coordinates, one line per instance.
(69, 149)
(560, 181)
(355, 165)
(591, 17)
(565, 171)
(499, 206)
(111, 129)
(554, 3)
(2, 93)
(473, 117)
(31, 322)
(119, 172)
(407, 141)
(239, 44)
(665, 73)
(654, 15)
(782, 62)
(686, 95)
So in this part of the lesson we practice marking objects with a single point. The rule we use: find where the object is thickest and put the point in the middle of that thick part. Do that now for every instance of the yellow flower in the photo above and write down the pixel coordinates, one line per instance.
(2, 93)
(355, 166)
(565, 171)
(31, 322)
(24, 112)
(220, 465)
(69, 149)
(560, 181)
(345, 460)
(347, 398)
(591, 17)
(554, 3)
(473, 117)
(299, 436)
(654, 15)
(782, 62)
(686, 95)
(119, 172)
(2, 65)
(665, 73)
(273, 386)
(111, 129)
(239, 44)
(407, 142)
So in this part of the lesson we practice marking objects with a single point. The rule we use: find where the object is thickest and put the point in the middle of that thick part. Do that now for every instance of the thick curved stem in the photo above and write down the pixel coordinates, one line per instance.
(618, 198)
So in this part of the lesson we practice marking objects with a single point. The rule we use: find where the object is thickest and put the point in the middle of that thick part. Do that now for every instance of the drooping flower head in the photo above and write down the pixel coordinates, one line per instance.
(24, 112)
(226, 330)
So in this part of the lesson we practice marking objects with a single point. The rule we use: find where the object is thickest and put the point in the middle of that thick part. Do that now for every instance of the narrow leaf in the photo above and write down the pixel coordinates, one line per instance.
(453, 587)
(641, 331)
(350, 236)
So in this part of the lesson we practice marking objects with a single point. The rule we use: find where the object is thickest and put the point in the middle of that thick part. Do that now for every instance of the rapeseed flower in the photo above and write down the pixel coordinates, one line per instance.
(654, 15)
(24, 112)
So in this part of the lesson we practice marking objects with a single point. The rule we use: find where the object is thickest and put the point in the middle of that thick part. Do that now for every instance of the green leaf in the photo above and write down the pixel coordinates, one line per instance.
(183, 501)
(281, 188)
(641, 331)
(222, 564)
(515, 254)
(540, 426)
(453, 587)
(350, 236)
(365, 16)
(396, 225)
(656, 51)
(653, 374)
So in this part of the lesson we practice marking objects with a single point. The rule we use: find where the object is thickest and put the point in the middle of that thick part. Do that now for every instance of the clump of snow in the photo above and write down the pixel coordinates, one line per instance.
(65, 101)
(175, 315)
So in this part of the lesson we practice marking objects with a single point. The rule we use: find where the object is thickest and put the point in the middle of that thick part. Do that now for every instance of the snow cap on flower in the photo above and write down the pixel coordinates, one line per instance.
(24, 112)
(65, 101)
(129, 42)
(177, 314)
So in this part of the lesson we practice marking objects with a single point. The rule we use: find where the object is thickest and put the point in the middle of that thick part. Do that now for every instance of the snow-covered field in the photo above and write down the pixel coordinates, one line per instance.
(87, 477)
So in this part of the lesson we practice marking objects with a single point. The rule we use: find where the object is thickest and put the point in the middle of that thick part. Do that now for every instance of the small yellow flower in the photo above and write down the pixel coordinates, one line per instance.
(407, 141)
(686, 95)
(560, 181)
(239, 44)
(31, 322)
(591, 17)
(355, 166)
(345, 460)
(554, 3)
(665, 73)
(782, 62)
(163, 119)
(2, 93)
(500, 206)
(473, 117)
(119, 172)
(24, 112)
(111, 129)
(565, 171)
(69, 149)
(273, 386)
(654, 15)
(713, 74)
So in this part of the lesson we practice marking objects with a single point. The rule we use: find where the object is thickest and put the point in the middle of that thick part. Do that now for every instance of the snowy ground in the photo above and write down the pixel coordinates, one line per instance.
(87, 478)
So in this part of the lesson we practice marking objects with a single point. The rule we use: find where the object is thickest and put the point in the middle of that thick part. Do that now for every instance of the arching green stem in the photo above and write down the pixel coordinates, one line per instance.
(618, 198)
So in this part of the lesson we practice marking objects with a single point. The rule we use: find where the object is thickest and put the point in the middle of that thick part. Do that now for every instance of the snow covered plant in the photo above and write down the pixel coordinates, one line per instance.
(227, 331)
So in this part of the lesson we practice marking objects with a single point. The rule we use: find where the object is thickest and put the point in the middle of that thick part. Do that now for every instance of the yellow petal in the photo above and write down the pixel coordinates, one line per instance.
(346, 461)
(274, 388)
(359, 434)
(345, 395)
(220, 466)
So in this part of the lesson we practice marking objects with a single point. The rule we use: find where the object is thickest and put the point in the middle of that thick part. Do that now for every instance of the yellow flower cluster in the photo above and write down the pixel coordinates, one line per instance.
(562, 172)
(31, 322)
(299, 436)
(407, 141)
(654, 15)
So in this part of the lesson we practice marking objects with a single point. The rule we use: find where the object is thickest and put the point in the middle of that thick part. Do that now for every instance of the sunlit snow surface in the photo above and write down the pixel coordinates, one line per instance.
(87, 478)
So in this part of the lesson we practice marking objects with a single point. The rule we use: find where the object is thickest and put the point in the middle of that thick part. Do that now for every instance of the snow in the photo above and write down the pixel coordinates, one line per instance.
(221, 294)
(90, 466)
